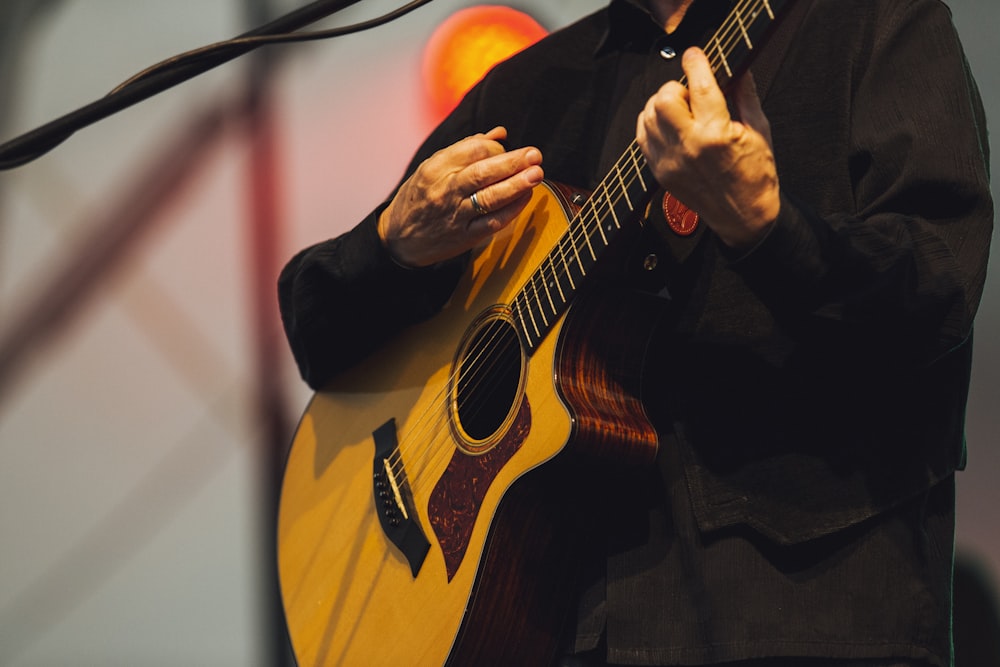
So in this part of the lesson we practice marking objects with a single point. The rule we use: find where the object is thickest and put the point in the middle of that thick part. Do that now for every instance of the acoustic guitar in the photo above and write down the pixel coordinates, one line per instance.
(426, 516)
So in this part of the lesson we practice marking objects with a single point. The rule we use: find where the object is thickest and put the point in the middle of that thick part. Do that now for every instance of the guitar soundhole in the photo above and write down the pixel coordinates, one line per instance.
(488, 382)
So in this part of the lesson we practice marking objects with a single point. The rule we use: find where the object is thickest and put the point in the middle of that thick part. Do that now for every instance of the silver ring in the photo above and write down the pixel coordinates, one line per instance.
(477, 207)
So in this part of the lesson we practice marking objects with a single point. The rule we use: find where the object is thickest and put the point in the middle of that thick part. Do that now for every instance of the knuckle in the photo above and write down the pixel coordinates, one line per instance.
(482, 147)
(487, 199)
(672, 88)
(428, 172)
(479, 172)
(700, 84)
(437, 193)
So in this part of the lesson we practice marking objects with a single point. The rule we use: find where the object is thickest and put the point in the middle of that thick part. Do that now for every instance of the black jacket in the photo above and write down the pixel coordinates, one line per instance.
(814, 387)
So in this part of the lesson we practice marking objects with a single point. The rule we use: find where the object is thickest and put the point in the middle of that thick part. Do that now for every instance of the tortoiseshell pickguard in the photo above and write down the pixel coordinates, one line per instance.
(457, 498)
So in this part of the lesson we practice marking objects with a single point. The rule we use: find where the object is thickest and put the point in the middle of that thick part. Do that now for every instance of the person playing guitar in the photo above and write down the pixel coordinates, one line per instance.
(697, 402)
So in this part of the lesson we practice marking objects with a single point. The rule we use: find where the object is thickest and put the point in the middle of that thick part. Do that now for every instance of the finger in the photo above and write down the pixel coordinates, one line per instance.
(498, 133)
(749, 106)
(480, 227)
(497, 168)
(501, 193)
(671, 103)
(706, 98)
(647, 131)
(472, 149)
(662, 121)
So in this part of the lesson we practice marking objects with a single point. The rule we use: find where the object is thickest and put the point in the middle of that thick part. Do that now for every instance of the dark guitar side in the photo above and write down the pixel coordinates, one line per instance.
(525, 592)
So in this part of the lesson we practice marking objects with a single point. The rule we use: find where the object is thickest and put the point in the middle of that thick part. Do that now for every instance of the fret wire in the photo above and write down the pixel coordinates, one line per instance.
(725, 63)
(555, 278)
(735, 20)
(548, 293)
(743, 28)
(720, 50)
(538, 299)
(598, 240)
(531, 316)
(621, 181)
(614, 214)
(569, 273)
(586, 235)
(576, 253)
(729, 28)
(543, 275)
(535, 300)
(519, 311)
(638, 167)
(611, 208)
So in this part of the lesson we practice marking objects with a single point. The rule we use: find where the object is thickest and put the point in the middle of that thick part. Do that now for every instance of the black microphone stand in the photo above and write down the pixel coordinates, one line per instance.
(39, 141)
(118, 230)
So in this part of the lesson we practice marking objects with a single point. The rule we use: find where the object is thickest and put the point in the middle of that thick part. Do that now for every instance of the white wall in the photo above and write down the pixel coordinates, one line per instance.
(129, 443)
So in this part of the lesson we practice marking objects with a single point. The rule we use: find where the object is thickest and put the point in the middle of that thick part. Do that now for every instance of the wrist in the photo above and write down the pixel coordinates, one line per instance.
(391, 244)
(753, 223)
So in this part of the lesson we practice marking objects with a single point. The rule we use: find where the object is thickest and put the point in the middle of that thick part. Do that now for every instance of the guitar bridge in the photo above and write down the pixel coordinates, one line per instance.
(394, 501)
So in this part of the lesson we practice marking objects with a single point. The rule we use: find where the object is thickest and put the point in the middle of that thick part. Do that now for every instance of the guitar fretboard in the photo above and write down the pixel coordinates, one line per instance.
(622, 196)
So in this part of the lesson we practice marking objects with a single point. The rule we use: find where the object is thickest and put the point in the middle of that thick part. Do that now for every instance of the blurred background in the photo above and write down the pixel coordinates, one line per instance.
(146, 394)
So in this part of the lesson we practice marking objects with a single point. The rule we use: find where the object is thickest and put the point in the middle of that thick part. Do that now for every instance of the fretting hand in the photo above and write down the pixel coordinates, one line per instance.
(720, 167)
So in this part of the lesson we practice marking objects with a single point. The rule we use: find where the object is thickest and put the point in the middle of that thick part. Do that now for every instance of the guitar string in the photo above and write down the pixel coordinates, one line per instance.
(483, 349)
(732, 31)
(486, 348)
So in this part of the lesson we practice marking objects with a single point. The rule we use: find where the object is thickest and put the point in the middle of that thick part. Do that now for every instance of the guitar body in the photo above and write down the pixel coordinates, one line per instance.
(419, 523)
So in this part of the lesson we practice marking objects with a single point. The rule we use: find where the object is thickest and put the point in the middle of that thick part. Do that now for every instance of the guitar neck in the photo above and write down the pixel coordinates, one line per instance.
(623, 194)
(732, 48)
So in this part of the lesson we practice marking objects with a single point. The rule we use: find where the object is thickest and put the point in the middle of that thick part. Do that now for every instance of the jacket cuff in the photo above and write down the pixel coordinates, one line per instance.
(790, 254)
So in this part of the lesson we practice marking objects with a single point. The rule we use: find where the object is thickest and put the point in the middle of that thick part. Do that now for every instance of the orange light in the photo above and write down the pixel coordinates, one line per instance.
(467, 45)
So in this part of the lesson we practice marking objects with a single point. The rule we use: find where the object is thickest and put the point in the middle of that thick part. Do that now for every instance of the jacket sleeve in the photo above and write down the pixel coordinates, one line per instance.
(342, 298)
(901, 274)
(821, 379)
